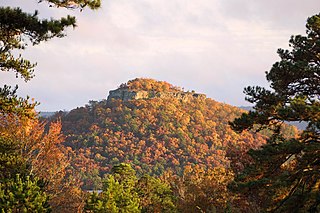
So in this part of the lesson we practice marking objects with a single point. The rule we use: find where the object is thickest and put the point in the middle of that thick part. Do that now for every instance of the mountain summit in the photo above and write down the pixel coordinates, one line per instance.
(142, 88)
(155, 127)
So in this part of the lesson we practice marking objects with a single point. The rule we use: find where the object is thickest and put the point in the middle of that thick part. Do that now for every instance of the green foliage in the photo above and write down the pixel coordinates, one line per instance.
(116, 197)
(12, 104)
(199, 190)
(12, 158)
(118, 192)
(27, 150)
(18, 191)
(22, 194)
(73, 4)
(155, 195)
(12, 162)
(23, 145)
(123, 192)
(284, 175)
(154, 134)
(17, 28)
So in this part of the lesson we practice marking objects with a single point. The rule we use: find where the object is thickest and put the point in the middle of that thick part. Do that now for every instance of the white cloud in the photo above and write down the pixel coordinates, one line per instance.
(212, 46)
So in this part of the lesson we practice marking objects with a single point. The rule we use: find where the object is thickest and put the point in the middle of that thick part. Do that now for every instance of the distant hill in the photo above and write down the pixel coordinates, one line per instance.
(247, 108)
(300, 125)
(46, 114)
(155, 126)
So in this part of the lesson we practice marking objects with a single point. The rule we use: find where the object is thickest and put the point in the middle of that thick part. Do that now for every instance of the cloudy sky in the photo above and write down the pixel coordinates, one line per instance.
(216, 47)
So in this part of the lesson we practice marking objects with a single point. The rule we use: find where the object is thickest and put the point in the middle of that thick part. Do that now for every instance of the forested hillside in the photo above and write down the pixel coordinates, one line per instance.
(150, 146)
(153, 134)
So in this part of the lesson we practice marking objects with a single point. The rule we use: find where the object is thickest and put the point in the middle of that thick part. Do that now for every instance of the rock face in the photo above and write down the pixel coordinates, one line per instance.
(127, 95)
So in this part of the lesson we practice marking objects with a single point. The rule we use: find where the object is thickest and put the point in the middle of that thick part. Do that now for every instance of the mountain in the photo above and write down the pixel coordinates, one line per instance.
(46, 114)
(156, 127)
(301, 125)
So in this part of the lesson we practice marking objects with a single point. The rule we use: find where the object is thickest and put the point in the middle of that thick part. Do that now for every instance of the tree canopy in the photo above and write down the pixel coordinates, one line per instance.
(19, 29)
(124, 192)
(35, 176)
(286, 174)
(153, 134)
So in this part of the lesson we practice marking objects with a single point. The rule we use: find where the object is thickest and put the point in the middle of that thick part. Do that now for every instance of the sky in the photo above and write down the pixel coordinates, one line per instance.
(215, 47)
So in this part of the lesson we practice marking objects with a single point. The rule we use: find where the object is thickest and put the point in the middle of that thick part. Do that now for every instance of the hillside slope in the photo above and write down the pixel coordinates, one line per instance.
(166, 128)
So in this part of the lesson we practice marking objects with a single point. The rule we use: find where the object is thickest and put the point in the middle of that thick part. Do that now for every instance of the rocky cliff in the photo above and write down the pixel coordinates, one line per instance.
(125, 94)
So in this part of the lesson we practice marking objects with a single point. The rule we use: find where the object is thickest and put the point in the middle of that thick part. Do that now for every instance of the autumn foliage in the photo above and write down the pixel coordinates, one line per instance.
(37, 152)
(153, 135)
(186, 142)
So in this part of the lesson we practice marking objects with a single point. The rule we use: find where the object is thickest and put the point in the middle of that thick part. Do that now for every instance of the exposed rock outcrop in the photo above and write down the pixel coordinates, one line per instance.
(125, 94)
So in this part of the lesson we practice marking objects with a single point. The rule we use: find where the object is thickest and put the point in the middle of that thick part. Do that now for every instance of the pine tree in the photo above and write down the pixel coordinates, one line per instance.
(124, 192)
(118, 194)
(23, 194)
(19, 29)
(20, 190)
(285, 173)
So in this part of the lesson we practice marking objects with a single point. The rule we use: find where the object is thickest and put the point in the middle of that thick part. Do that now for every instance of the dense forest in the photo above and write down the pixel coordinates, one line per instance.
(153, 147)
(187, 142)
(154, 134)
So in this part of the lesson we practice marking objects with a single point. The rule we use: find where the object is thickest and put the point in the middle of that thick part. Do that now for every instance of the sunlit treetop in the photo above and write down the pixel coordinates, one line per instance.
(149, 84)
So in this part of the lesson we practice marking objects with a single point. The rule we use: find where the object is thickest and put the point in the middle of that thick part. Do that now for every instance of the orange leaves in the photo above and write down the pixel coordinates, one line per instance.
(43, 152)
(153, 132)
(185, 119)
(51, 154)
(149, 85)
(175, 162)
(201, 190)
